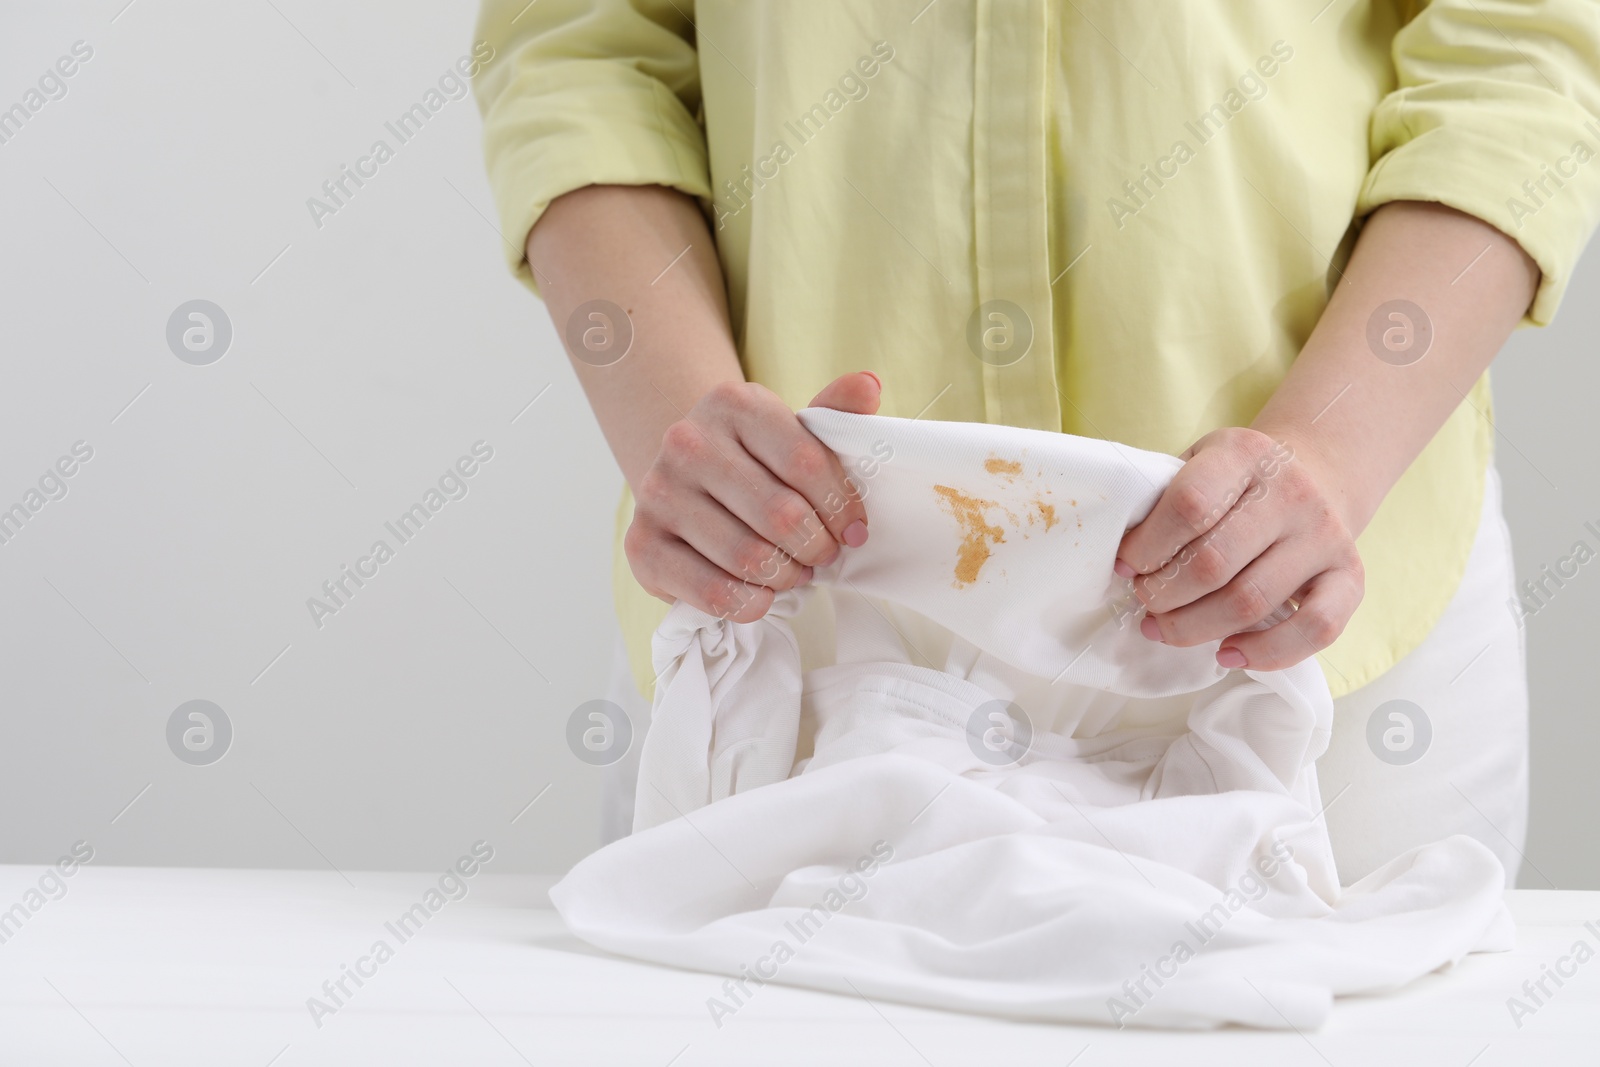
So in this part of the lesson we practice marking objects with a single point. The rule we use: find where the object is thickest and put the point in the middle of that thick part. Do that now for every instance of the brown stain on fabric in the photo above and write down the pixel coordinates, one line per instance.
(971, 513)
(976, 531)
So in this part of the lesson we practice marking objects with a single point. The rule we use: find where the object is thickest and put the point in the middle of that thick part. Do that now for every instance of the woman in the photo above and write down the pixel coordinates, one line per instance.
(1233, 231)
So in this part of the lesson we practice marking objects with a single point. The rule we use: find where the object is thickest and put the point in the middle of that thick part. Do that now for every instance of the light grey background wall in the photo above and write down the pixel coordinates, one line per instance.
(368, 355)
(1546, 385)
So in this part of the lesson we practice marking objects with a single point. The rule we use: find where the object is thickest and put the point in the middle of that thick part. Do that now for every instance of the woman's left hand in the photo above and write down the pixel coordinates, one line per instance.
(1248, 524)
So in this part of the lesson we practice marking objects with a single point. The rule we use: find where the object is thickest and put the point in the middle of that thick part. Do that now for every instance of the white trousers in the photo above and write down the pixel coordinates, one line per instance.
(1468, 677)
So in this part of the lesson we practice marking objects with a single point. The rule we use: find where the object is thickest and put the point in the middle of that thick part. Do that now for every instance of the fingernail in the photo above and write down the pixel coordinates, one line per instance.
(1148, 627)
(1123, 569)
(875, 378)
(806, 576)
(1230, 658)
(855, 535)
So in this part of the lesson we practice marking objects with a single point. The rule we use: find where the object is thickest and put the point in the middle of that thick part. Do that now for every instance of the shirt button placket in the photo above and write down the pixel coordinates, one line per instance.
(1011, 329)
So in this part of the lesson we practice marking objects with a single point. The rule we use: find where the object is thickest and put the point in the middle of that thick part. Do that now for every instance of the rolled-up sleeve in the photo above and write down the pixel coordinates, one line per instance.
(1494, 114)
(586, 92)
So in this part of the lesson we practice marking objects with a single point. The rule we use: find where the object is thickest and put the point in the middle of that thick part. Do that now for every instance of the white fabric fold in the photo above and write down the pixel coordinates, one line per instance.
(843, 795)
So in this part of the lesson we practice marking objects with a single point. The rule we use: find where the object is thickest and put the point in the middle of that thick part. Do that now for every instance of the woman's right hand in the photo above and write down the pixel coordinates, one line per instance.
(743, 501)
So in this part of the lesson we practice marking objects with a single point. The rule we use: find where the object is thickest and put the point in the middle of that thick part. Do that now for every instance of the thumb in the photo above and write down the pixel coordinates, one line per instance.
(857, 393)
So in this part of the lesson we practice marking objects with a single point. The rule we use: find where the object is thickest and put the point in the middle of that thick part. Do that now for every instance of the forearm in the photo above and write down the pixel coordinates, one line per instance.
(615, 243)
(1362, 418)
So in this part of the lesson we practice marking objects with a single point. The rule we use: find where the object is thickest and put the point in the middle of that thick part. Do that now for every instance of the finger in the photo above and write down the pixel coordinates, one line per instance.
(729, 543)
(1211, 560)
(693, 463)
(1202, 492)
(1329, 601)
(859, 392)
(786, 448)
(774, 512)
(671, 570)
(1253, 594)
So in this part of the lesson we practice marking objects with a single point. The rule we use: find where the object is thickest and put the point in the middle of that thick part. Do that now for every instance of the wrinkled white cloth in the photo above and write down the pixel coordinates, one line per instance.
(981, 788)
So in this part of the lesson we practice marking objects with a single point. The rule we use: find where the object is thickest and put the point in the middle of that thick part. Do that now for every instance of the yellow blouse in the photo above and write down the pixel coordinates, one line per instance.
(1109, 218)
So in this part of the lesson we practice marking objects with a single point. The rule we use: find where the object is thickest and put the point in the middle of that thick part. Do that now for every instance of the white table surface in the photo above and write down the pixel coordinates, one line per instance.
(172, 967)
